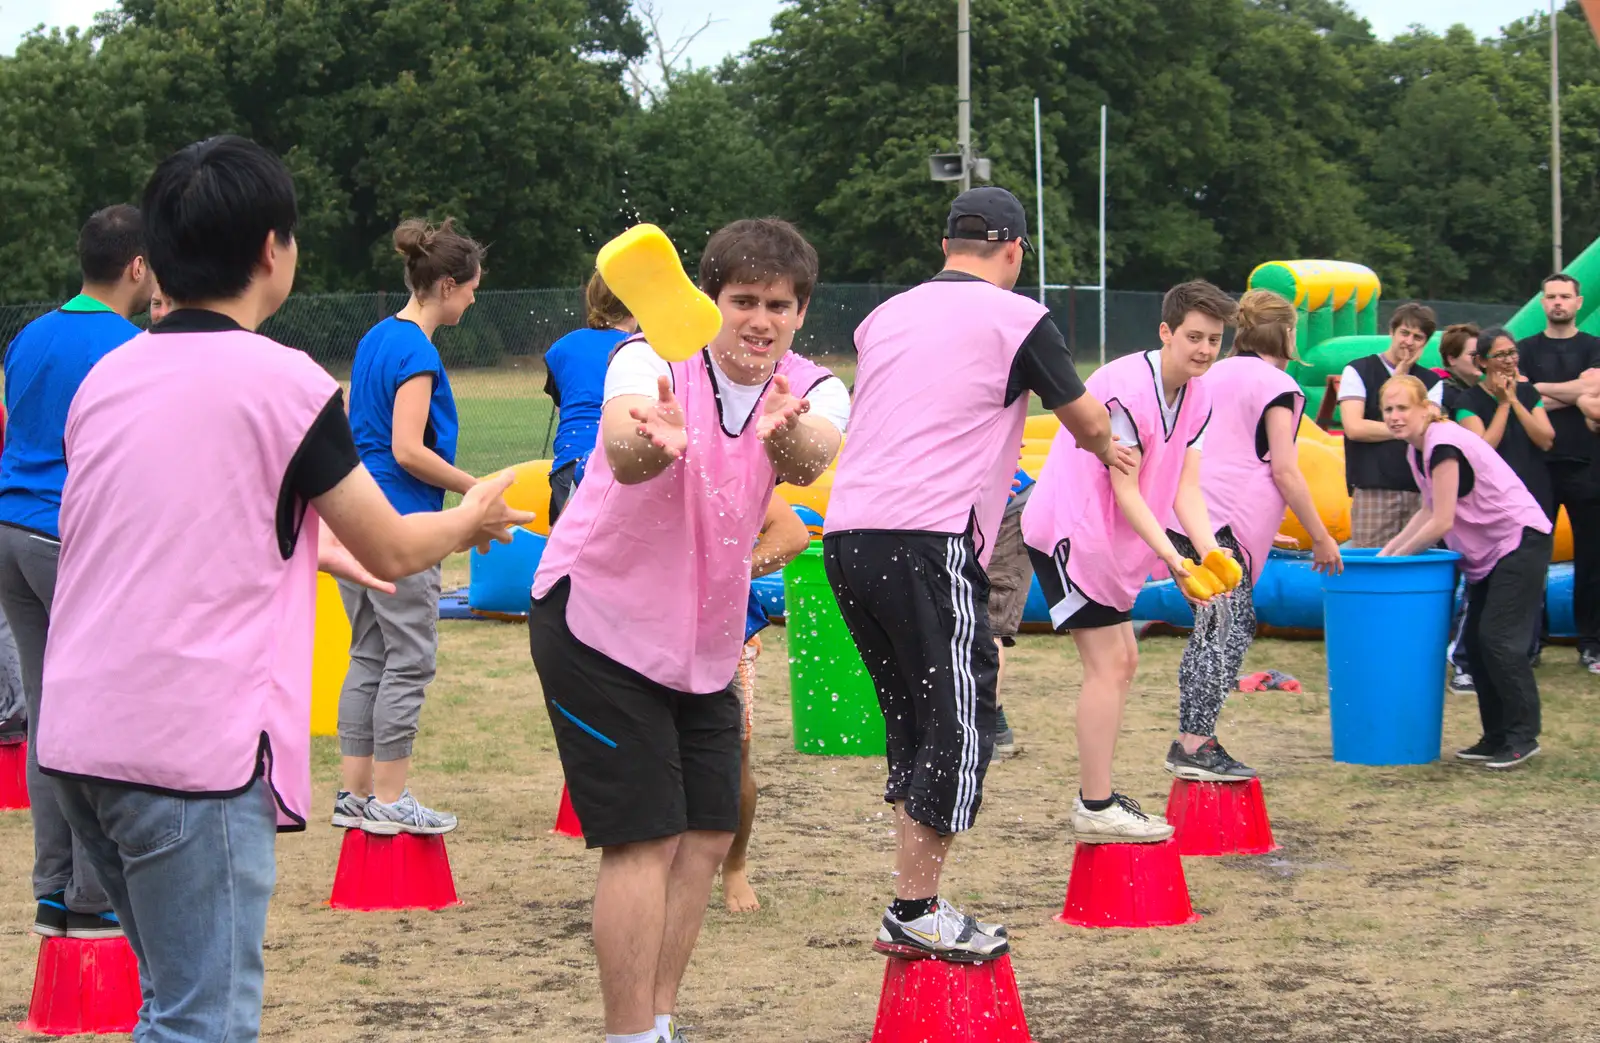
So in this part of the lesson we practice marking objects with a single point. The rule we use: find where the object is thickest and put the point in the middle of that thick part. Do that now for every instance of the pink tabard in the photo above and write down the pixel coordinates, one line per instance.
(1235, 474)
(180, 636)
(1489, 519)
(933, 443)
(660, 571)
(1074, 502)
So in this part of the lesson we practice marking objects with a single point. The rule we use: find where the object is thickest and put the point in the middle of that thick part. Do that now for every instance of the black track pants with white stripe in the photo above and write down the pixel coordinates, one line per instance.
(917, 605)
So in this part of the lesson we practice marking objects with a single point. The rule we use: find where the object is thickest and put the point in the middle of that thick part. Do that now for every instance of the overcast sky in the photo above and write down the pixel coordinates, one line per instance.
(736, 25)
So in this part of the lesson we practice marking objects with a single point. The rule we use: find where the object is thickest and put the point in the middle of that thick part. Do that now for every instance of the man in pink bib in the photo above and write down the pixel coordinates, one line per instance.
(201, 459)
(942, 391)
(639, 605)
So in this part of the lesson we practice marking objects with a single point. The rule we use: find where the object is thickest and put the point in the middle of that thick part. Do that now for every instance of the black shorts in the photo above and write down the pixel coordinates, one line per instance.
(1070, 608)
(642, 760)
(917, 605)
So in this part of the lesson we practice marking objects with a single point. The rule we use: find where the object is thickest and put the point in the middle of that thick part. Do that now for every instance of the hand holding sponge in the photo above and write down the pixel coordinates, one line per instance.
(1218, 574)
(642, 268)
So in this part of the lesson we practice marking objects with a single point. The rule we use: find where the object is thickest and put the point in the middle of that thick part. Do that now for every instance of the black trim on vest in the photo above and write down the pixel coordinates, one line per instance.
(1154, 365)
(1380, 465)
(263, 756)
(716, 393)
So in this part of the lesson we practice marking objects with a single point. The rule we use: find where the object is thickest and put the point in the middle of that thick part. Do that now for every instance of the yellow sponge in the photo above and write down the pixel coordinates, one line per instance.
(642, 269)
(1225, 568)
(1201, 583)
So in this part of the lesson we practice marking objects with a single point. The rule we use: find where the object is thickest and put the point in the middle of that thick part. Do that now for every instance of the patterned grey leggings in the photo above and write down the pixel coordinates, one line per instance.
(1222, 635)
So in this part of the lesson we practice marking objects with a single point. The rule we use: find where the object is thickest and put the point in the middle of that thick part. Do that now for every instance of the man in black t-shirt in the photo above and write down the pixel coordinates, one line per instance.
(1555, 361)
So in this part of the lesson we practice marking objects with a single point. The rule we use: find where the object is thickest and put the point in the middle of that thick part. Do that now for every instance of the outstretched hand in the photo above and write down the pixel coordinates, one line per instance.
(662, 422)
(488, 503)
(334, 558)
(780, 410)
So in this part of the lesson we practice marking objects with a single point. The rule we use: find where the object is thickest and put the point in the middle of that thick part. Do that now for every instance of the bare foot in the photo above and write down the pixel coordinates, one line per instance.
(737, 893)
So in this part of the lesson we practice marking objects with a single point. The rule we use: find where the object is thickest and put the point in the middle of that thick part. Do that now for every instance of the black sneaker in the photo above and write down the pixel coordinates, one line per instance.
(14, 729)
(93, 925)
(1210, 763)
(1590, 661)
(1482, 750)
(1005, 741)
(1512, 757)
(50, 919)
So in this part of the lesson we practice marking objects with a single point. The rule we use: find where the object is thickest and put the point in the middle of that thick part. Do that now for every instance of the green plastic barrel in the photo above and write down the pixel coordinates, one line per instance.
(834, 704)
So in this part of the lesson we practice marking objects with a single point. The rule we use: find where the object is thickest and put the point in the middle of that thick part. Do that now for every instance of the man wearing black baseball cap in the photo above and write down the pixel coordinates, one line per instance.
(942, 381)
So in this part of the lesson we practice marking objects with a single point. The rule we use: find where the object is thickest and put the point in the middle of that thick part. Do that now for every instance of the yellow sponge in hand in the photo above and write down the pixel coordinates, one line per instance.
(1225, 568)
(1201, 584)
(642, 269)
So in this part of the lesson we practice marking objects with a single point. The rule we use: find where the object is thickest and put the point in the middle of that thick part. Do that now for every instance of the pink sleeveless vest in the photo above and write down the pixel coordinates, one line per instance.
(180, 643)
(660, 571)
(1237, 482)
(1073, 500)
(1490, 519)
(933, 444)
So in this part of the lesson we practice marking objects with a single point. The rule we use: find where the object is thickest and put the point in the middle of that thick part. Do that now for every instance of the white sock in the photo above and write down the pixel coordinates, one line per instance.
(664, 1026)
(634, 1037)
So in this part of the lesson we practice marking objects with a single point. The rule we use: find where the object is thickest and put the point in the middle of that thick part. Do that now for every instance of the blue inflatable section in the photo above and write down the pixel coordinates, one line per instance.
(1288, 596)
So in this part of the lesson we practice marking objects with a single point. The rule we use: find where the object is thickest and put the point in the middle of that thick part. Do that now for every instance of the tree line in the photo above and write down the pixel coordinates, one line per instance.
(1240, 131)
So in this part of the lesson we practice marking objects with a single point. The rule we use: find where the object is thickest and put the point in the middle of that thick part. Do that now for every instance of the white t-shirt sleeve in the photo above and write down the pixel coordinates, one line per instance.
(1351, 385)
(1122, 425)
(831, 401)
(1436, 394)
(634, 370)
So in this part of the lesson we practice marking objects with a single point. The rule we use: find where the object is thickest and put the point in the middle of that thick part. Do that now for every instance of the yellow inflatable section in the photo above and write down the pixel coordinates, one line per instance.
(330, 657)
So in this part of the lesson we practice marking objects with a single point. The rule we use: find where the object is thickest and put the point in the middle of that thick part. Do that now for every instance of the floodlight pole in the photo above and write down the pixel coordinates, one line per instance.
(964, 90)
(1555, 144)
(1102, 235)
(1038, 187)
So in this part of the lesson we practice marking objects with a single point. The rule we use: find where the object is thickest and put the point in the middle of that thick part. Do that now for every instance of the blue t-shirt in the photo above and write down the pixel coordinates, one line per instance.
(44, 366)
(577, 378)
(393, 352)
(755, 617)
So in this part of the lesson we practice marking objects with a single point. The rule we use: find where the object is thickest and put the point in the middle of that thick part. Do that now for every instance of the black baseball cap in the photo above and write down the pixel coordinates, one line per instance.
(1001, 212)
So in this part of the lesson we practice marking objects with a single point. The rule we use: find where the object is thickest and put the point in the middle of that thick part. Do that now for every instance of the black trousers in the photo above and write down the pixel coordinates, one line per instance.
(1577, 488)
(1500, 609)
(561, 486)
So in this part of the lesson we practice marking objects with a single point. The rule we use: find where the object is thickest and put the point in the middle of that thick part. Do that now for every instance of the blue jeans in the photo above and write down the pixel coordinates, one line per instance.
(190, 879)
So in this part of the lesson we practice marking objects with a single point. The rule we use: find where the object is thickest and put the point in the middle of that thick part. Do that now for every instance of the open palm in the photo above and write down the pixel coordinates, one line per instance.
(780, 410)
(662, 422)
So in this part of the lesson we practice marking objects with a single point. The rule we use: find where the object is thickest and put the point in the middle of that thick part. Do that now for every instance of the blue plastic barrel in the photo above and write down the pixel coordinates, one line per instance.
(1386, 622)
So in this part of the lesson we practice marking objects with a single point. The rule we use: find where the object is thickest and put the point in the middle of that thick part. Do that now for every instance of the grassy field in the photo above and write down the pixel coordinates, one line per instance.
(1406, 905)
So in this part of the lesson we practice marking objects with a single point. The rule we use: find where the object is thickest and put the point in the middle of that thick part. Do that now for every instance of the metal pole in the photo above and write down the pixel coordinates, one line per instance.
(1102, 235)
(964, 90)
(1555, 144)
(1038, 187)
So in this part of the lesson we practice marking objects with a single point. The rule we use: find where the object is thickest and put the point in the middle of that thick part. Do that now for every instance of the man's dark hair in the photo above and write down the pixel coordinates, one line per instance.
(1416, 315)
(973, 247)
(758, 250)
(1562, 277)
(208, 209)
(109, 242)
(1196, 295)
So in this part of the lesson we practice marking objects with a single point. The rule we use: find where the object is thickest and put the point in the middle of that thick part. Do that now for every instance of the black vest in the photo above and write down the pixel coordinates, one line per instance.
(1380, 465)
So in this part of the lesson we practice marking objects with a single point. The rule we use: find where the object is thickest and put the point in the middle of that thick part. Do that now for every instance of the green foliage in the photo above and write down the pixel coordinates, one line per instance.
(1241, 130)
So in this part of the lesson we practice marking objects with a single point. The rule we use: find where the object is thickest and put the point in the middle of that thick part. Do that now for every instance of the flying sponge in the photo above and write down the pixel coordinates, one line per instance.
(642, 269)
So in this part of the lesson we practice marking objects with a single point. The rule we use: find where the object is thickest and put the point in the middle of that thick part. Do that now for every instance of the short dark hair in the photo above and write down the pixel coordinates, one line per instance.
(1454, 340)
(1196, 295)
(109, 241)
(1416, 314)
(973, 247)
(208, 208)
(758, 250)
(1487, 338)
(436, 253)
(1562, 277)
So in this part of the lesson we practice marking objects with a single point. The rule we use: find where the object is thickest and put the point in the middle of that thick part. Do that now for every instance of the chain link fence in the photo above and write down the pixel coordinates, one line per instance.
(495, 357)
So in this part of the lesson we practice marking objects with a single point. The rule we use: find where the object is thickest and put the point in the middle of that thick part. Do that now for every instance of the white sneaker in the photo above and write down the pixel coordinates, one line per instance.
(404, 816)
(944, 934)
(1121, 823)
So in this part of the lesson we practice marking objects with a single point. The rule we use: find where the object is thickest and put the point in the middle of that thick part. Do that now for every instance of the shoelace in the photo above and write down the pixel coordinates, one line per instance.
(1130, 805)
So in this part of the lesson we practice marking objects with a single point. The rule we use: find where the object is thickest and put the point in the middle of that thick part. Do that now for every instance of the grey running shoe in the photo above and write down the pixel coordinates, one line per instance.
(1005, 741)
(405, 816)
(348, 809)
(944, 934)
(1210, 763)
(1461, 683)
(993, 930)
